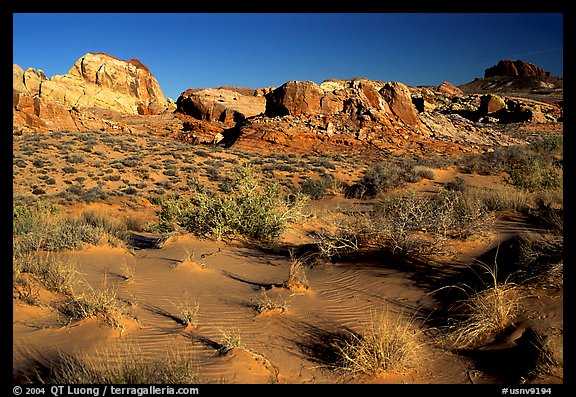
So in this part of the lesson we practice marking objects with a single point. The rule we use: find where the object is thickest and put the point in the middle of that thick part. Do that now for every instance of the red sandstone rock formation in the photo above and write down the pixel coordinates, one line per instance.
(448, 89)
(515, 68)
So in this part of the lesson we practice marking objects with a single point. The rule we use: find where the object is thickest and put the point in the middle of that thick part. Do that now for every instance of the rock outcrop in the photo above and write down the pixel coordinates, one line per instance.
(223, 105)
(515, 68)
(95, 81)
(365, 100)
(447, 88)
(294, 98)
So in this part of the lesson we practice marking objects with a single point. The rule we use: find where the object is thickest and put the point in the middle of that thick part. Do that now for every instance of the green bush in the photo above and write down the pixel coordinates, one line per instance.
(536, 174)
(43, 227)
(249, 208)
(318, 188)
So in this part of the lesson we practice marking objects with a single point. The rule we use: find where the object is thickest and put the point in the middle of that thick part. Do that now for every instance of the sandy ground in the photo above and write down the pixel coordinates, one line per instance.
(225, 279)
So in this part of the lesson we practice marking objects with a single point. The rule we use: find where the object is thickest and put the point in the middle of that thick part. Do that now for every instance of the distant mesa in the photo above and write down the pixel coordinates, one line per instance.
(517, 68)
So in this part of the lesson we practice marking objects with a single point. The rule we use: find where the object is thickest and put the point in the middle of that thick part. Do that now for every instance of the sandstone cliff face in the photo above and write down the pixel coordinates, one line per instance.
(515, 68)
(131, 78)
(95, 81)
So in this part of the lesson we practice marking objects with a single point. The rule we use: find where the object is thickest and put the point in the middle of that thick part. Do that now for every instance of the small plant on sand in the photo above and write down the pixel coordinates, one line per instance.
(101, 303)
(296, 274)
(127, 272)
(229, 339)
(265, 304)
(390, 344)
(188, 312)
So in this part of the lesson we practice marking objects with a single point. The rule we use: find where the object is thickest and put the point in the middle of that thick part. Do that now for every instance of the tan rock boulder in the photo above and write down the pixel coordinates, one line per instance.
(398, 98)
(28, 81)
(96, 81)
(216, 104)
(41, 113)
(491, 104)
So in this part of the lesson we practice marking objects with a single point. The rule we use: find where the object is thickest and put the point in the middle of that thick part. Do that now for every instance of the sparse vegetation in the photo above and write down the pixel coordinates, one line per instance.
(250, 209)
(44, 227)
(118, 366)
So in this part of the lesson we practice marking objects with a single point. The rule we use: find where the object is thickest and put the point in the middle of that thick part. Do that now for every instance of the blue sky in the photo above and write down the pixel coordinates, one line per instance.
(258, 50)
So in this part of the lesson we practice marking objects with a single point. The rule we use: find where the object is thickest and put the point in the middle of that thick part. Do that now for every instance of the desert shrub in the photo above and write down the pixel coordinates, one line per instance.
(43, 227)
(385, 176)
(414, 222)
(130, 162)
(40, 163)
(75, 159)
(536, 174)
(250, 209)
(389, 344)
(318, 188)
(348, 233)
(69, 170)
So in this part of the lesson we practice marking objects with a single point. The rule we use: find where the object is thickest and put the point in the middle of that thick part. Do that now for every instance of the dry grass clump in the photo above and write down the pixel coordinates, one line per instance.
(265, 304)
(391, 343)
(541, 262)
(101, 303)
(117, 365)
(502, 198)
(188, 312)
(54, 272)
(297, 279)
(486, 312)
(229, 339)
(43, 227)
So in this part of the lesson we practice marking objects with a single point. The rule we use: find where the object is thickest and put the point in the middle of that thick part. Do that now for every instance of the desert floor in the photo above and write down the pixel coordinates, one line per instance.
(233, 338)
